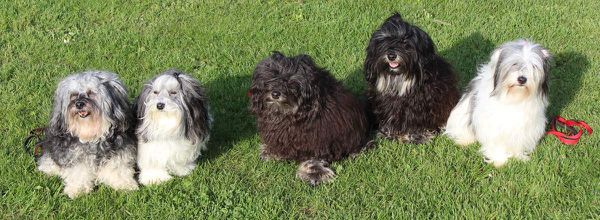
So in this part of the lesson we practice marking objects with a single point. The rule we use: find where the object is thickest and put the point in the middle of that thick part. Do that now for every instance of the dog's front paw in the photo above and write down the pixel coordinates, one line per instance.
(315, 172)
(128, 185)
(418, 137)
(496, 162)
(184, 170)
(73, 191)
(383, 135)
(523, 157)
(150, 177)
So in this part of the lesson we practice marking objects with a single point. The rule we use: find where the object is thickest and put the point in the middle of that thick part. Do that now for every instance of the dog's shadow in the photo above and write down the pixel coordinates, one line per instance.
(229, 108)
(566, 75)
(466, 55)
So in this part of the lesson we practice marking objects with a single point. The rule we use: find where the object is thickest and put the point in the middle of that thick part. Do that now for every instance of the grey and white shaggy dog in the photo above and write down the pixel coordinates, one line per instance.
(504, 106)
(411, 89)
(89, 139)
(303, 114)
(173, 126)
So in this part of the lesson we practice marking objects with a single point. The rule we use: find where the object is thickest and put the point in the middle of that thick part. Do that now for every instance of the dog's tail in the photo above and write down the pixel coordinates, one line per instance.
(315, 172)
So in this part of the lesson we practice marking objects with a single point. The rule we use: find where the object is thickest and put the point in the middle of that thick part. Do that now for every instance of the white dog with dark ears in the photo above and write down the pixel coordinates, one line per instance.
(504, 107)
(173, 128)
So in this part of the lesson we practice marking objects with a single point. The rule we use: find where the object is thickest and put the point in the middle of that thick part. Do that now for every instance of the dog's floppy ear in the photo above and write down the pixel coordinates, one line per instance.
(57, 121)
(139, 105)
(118, 103)
(197, 120)
(547, 60)
(495, 62)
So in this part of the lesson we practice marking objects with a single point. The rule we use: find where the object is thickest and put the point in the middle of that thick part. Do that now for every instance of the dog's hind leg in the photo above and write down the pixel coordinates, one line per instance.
(458, 127)
(48, 166)
(315, 172)
(266, 155)
(117, 172)
(418, 137)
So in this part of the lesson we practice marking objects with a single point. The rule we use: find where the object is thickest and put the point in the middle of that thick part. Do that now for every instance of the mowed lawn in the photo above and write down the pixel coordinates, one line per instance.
(220, 42)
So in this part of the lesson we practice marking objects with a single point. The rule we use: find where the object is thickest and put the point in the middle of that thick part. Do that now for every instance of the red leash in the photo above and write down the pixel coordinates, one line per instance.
(572, 135)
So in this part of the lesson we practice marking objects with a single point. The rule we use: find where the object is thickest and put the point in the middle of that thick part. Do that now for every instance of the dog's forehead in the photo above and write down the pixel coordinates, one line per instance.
(166, 82)
(524, 49)
(83, 83)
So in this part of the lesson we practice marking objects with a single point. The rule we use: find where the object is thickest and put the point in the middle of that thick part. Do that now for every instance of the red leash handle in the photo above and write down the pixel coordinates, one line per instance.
(569, 139)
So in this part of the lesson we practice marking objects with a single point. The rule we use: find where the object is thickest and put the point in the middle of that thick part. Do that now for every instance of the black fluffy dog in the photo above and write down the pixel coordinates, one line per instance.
(411, 89)
(304, 114)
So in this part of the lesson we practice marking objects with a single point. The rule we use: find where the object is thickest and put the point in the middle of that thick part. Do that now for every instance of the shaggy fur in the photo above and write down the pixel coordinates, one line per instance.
(303, 114)
(504, 107)
(174, 125)
(89, 139)
(411, 89)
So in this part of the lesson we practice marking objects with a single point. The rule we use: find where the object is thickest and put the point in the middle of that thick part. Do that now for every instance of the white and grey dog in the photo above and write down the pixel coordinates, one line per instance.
(90, 139)
(174, 124)
(504, 107)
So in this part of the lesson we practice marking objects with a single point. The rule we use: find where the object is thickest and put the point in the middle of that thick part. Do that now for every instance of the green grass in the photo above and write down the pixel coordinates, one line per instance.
(220, 43)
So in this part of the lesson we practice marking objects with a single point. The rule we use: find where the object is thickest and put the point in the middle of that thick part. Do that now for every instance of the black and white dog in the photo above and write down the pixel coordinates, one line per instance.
(90, 137)
(174, 123)
(411, 89)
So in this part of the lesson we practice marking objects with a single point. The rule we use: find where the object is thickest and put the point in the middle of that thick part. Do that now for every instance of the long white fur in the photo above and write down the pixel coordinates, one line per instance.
(167, 150)
(509, 124)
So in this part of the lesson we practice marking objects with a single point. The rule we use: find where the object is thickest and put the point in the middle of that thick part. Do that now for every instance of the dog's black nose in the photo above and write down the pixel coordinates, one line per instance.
(79, 104)
(160, 106)
(391, 56)
(522, 80)
(275, 95)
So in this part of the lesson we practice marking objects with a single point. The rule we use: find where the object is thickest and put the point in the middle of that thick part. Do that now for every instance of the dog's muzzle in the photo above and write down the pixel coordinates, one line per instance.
(521, 80)
(160, 106)
(392, 60)
(81, 108)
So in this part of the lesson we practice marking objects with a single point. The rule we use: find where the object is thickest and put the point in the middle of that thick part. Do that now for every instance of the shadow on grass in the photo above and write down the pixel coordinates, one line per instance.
(229, 107)
(565, 79)
(466, 55)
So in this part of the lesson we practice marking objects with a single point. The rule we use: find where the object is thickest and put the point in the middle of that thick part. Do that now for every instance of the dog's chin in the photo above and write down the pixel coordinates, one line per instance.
(392, 67)
(281, 107)
(87, 126)
(83, 113)
(517, 92)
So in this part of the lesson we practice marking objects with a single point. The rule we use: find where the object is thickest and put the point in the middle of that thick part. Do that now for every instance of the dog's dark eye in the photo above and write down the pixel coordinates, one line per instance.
(172, 92)
(155, 92)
